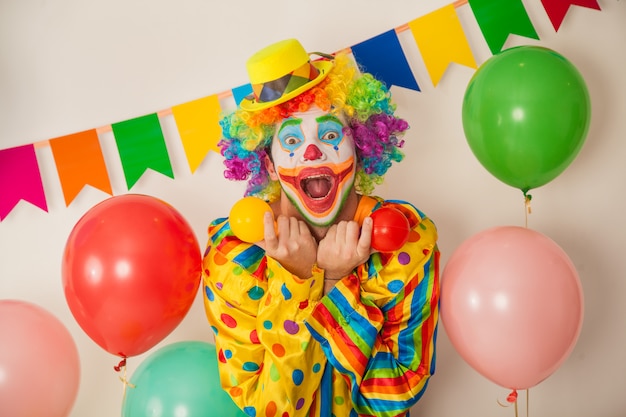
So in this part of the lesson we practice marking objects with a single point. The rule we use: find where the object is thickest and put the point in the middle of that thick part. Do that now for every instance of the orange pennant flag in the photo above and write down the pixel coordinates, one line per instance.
(441, 41)
(198, 125)
(79, 161)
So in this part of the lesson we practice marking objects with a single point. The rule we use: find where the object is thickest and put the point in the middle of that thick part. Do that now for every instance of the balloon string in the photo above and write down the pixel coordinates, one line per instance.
(512, 400)
(126, 383)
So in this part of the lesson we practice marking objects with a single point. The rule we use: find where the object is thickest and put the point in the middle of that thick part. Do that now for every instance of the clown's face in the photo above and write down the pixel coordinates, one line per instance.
(315, 164)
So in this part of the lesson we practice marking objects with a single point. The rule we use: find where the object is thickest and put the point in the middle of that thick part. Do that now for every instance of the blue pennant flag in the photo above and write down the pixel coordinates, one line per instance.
(241, 92)
(383, 57)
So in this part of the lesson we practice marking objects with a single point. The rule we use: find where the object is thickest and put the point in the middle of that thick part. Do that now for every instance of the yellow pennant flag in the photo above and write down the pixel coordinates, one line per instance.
(198, 125)
(441, 41)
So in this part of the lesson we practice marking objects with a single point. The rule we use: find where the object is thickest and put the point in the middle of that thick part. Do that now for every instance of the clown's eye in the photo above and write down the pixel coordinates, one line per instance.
(330, 136)
(292, 140)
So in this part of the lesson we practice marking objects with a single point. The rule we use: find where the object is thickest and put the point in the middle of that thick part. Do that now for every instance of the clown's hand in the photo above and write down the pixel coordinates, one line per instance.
(291, 244)
(345, 246)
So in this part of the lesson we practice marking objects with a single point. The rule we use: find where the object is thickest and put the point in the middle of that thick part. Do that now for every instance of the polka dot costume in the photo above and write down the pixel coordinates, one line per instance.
(286, 350)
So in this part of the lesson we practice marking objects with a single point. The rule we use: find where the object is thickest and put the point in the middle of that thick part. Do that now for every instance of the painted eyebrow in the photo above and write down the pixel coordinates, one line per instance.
(328, 118)
(289, 122)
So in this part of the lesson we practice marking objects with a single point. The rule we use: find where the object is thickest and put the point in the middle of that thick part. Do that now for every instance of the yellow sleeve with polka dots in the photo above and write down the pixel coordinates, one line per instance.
(268, 361)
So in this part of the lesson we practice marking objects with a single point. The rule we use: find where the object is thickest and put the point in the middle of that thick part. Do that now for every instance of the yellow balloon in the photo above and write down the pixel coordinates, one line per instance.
(246, 218)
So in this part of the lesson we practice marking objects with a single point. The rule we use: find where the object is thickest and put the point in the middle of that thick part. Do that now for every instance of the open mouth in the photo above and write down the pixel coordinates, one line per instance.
(317, 186)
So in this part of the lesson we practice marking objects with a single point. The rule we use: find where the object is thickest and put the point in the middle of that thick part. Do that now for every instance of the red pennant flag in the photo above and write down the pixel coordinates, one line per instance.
(79, 162)
(557, 9)
(20, 179)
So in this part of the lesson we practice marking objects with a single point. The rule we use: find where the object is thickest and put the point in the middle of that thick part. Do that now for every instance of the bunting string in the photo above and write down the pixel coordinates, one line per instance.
(140, 141)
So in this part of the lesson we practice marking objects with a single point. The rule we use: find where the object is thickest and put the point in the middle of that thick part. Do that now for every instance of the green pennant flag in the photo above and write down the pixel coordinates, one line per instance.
(141, 145)
(499, 18)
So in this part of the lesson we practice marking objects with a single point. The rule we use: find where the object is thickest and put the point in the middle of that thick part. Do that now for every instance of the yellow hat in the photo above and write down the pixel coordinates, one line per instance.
(280, 72)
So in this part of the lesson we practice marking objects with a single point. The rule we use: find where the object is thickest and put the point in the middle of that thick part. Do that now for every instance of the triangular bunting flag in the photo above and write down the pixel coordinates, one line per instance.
(79, 162)
(383, 57)
(441, 41)
(20, 179)
(557, 9)
(498, 19)
(241, 92)
(141, 145)
(198, 125)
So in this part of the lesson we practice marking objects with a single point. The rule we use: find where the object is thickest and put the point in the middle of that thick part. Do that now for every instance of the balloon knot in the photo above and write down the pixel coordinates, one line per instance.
(510, 399)
(120, 365)
(527, 199)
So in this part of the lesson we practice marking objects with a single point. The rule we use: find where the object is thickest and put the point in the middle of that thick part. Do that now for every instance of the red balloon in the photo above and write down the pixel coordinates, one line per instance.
(39, 363)
(512, 305)
(131, 270)
(390, 229)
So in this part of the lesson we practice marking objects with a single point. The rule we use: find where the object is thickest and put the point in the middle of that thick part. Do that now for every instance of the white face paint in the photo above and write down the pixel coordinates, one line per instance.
(315, 163)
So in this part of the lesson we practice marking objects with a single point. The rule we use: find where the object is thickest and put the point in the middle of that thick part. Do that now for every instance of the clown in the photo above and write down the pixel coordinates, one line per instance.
(311, 321)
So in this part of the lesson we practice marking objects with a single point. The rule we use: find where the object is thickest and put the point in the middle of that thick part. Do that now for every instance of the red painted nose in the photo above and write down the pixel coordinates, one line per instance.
(312, 153)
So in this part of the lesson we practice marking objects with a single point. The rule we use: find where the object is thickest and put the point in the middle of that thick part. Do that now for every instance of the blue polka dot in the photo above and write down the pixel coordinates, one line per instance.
(228, 353)
(297, 376)
(267, 324)
(317, 367)
(395, 286)
(250, 411)
(286, 293)
(256, 293)
(214, 329)
(250, 366)
(209, 293)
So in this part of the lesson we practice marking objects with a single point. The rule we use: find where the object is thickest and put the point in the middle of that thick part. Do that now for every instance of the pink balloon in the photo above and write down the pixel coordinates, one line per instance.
(39, 365)
(512, 305)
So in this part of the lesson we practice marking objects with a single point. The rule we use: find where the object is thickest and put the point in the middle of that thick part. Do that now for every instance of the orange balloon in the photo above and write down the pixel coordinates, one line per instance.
(246, 218)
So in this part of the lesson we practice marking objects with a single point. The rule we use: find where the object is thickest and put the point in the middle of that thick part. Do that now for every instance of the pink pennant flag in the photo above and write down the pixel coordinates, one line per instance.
(557, 9)
(20, 179)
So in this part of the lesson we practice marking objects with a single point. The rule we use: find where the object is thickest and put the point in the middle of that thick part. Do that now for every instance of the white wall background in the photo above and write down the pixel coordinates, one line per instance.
(70, 65)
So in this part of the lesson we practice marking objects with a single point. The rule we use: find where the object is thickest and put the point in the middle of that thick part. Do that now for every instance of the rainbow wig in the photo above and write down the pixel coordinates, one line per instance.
(365, 104)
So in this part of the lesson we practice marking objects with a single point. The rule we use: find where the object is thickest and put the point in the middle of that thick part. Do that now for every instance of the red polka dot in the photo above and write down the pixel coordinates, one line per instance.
(221, 356)
(228, 321)
(304, 304)
(254, 337)
(414, 236)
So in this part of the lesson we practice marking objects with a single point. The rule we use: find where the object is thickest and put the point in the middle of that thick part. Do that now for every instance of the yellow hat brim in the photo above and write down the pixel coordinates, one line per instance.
(323, 67)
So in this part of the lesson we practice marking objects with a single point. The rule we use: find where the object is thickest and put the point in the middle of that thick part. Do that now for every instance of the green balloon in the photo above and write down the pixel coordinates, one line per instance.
(526, 113)
(180, 379)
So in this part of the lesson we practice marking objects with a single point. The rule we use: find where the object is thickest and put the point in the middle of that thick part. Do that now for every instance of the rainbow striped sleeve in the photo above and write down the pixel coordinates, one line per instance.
(378, 326)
